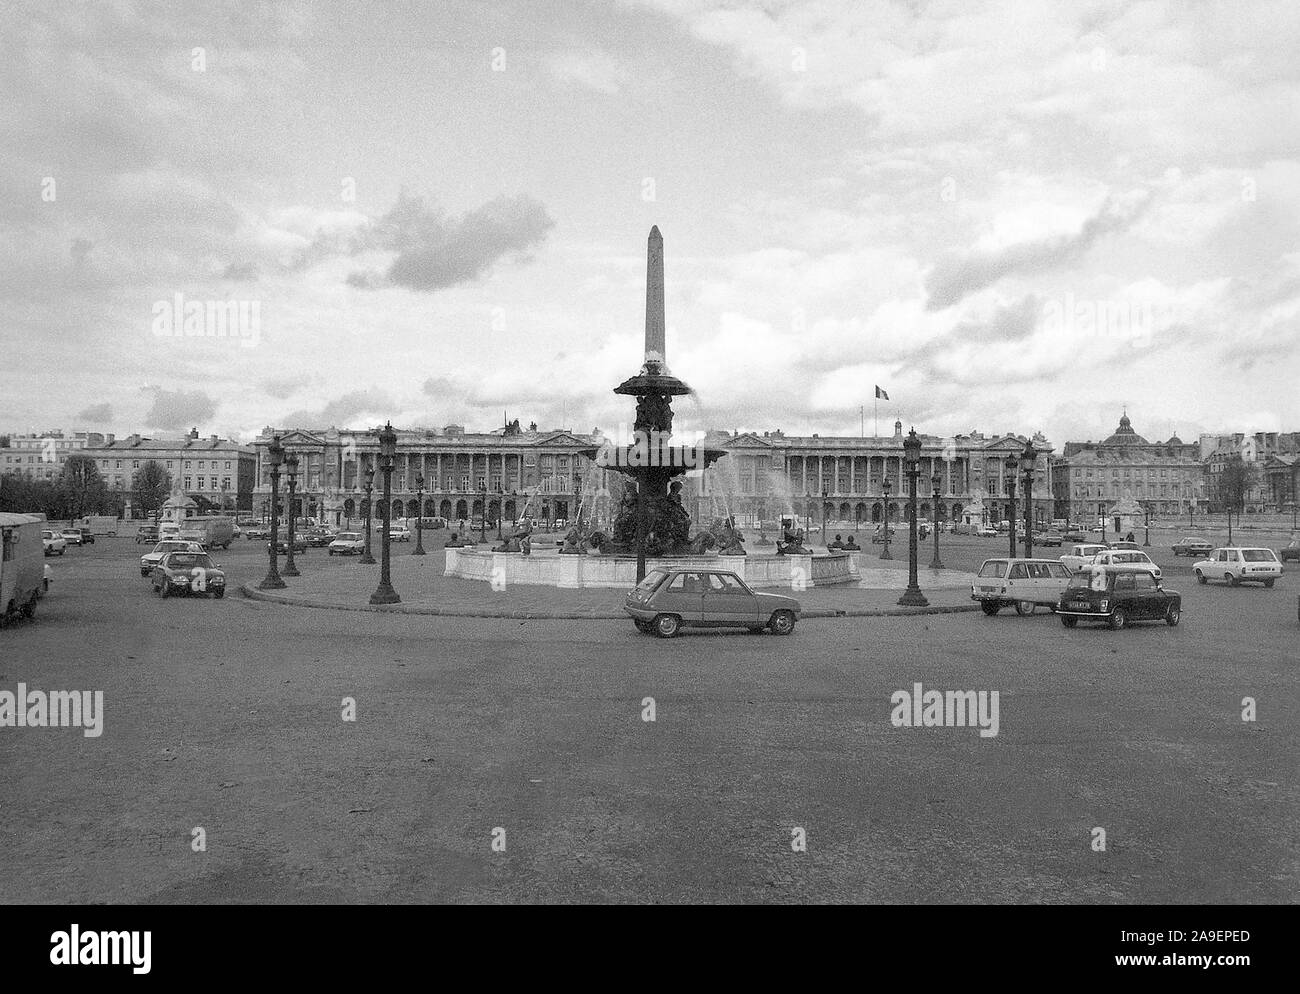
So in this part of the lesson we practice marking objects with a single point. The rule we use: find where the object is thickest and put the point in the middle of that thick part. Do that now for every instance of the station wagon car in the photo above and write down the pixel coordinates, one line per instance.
(188, 573)
(669, 599)
(1192, 547)
(1118, 595)
(1237, 565)
(1024, 583)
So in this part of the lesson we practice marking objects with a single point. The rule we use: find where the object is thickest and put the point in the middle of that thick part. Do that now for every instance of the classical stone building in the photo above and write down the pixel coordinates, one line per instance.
(40, 456)
(1263, 450)
(463, 471)
(840, 478)
(1166, 477)
(215, 468)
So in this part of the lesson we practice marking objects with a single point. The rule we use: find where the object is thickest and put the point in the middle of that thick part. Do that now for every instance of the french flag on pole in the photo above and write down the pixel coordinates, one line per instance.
(881, 395)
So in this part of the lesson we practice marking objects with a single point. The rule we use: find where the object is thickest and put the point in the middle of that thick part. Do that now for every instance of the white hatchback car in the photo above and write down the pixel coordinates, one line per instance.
(1238, 565)
(1126, 557)
(348, 544)
(1080, 556)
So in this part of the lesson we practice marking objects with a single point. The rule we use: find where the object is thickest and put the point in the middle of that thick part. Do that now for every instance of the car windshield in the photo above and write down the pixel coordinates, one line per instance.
(188, 560)
(994, 567)
(1259, 556)
(652, 580)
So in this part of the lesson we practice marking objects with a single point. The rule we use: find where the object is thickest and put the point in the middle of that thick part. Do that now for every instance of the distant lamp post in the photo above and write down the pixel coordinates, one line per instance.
(1146, 523)
(419, 518)
(912, 596)
(366, 558)
(825, 494)
(807, 511)
(1013, 467)
(482, 518)
(885, 488)
(1027, 459)
(384, 593)
(1101, 513)
(291, 474)
(936, 482)
(274, 454)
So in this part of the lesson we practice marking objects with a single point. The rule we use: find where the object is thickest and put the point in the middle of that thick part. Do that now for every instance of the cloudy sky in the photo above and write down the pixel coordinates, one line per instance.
(1012, 216)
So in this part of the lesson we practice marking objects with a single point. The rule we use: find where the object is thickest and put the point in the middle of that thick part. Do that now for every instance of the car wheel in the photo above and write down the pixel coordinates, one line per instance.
(782, 623)
(1268, 583)
(1068, 621)
(1232, 579)
(1025, 607)
(990, 607)
(1118, 619)
(1200, 577)
(219, 593)
(667, 625)
(1172, 615)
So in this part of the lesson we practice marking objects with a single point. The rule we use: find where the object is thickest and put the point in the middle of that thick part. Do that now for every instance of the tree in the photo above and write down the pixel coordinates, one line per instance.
(1236, 481)
(82, 488)
(151, 484)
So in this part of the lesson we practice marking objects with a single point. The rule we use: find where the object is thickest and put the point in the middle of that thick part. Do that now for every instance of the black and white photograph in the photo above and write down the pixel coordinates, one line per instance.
(651, 452)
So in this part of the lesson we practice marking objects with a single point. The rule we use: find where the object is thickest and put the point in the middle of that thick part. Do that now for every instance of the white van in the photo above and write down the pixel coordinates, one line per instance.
(1025, 583)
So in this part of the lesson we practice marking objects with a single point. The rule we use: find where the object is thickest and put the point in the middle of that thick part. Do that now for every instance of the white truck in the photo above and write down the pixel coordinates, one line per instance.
(211, 533)
(22, 565)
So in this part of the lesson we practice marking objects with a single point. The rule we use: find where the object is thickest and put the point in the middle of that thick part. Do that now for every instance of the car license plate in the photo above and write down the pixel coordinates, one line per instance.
(1079, 605)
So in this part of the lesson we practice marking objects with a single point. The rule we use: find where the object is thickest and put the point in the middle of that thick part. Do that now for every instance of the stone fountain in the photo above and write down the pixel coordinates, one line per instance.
(651, 521)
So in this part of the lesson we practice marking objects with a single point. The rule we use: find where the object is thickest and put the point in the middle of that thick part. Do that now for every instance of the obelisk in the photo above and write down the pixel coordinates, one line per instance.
(654, 301)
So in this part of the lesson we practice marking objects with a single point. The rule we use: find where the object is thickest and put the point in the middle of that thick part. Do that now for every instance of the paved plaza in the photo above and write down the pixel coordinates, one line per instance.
(226, 715)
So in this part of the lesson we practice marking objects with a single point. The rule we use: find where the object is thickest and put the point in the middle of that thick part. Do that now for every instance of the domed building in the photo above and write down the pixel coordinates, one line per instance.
(1166, 478)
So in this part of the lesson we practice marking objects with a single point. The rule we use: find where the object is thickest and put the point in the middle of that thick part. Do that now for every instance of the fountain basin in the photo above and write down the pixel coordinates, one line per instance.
(573, 572)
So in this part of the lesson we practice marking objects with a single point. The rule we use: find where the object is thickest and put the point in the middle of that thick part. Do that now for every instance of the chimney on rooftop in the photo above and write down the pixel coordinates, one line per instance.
(194, 433)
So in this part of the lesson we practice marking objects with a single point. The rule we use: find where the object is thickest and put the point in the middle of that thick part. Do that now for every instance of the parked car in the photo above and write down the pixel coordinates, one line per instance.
(151, 559)
(669, 599)
(988, 531)
(71, 535)
(54, 542)
(348, 544)
(1291, 550)
(147, 533)
(1237, 565)
(1126, 557)
(1125, 544)
(1118, 595)
(1080, 556)
(188, 573)
(282, 545)
(257, 532)
(1191, 546)
(1048, 539)
(1024, 583)
(1074, 533)
(318, 538)
(399, 533)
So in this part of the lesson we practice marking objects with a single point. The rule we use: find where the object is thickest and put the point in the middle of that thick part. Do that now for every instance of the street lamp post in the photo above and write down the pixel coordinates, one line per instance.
(482, 520)
(936, 482)
(1012, 465)
(384, 593)
(1027, 459)
(419, 518)
(885, 487)
(912, 596)
(1101, 513)
(274, 453)
(366, 558)
(291, 474)
(825, 494)
(807, 512)
(1146, 522)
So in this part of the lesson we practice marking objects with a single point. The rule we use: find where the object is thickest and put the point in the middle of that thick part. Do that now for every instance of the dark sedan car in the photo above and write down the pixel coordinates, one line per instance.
(188, 573)
(1189, 546)
(282, 545)
(318, 538)
(669, 599)
(1290, 551)
(1119, 596)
